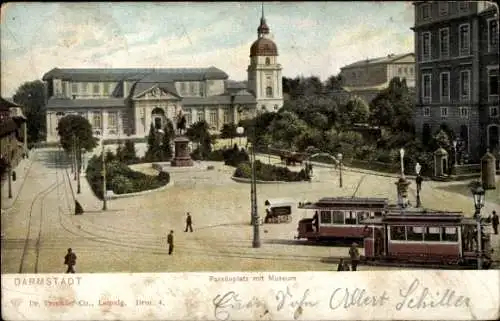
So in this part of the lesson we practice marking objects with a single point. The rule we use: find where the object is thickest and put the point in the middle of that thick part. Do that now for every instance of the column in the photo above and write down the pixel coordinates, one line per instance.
(120, 123)
(235, 114)
(104, 123)
(194, 116)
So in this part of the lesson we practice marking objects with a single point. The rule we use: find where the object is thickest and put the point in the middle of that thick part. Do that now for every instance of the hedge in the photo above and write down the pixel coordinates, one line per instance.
(121, 179)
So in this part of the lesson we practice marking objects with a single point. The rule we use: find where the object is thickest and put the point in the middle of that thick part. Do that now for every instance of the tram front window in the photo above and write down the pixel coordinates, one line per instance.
(415, 233)
(398, 233)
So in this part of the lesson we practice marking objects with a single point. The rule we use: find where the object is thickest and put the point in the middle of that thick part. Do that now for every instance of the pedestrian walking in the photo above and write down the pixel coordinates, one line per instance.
(70, 261)
(354, 254)
(170, 242)
(494, 222)
(342, 266)
(189, 223)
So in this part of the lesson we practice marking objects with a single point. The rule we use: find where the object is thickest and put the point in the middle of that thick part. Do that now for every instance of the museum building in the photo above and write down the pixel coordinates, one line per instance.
(123, 103)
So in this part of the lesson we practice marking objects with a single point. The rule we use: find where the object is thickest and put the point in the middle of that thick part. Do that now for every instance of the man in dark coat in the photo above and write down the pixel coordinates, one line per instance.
(494, 222)
(189, 223)
(70, 261)
(170, 242)
(354, 254)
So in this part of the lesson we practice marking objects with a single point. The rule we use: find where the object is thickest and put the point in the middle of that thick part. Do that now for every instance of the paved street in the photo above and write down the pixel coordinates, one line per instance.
(131, 235)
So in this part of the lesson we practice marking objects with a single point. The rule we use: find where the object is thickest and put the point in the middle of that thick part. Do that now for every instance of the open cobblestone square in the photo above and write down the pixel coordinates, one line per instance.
(131, 235)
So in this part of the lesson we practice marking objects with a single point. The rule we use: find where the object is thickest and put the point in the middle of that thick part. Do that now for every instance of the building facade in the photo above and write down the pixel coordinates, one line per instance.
(457, 72)
(13, 136)
(264, 71)
(121, 103)
(367, 78)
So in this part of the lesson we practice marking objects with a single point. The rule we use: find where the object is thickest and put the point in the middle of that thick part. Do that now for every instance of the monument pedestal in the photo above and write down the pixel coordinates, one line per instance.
(182, 157)
(402, 188)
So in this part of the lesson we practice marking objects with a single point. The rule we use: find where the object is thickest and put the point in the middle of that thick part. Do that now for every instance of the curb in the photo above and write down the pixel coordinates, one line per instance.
(248, 180)
(7, 209)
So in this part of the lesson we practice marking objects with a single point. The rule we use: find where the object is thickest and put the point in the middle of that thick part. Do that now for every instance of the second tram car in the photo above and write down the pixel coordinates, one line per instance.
(279, 210)
(340, 217)
(420, 236)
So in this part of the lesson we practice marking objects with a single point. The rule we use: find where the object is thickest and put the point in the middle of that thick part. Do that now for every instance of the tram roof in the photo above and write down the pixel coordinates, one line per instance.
(336, 201)
(279, 201)
(418, 215)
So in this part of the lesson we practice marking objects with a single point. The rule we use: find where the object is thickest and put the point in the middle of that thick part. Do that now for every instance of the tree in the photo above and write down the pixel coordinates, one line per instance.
(287, 127)
(129, 155)
(75, 134)
(166, 143)
(31, 97)
(355, 111)
(333, 83)
(199, 133)
(153, 153)
(73, 128)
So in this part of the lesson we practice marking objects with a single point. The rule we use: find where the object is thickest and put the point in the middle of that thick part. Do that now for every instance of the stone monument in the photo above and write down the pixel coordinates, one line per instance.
(488, 170)
(182, 157)
(402, 184)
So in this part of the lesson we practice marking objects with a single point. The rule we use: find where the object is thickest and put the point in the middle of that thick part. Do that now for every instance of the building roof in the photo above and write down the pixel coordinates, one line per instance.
(131, 74)
(84, 103)
(241, 98)
(380, 60)
(7, 103)
(263, 47)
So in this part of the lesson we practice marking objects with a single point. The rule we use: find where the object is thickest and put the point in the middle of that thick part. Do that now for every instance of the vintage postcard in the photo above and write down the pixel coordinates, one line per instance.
(250, 161)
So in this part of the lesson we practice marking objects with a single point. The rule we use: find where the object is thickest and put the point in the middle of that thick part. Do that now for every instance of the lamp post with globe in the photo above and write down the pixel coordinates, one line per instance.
(478, 194)
(418, 180)
(339, 158)
(240, 130)
(402, 183)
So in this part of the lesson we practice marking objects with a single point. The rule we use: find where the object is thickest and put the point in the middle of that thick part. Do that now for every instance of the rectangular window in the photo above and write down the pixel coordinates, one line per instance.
(493, 82)
(183, 88)
(414, 233)
(189, 119)
(400, 70)
(192, 88)
(427, 111)
(449, 234)
(445, 86)
(492, 34)
(464, 39)
(443, 8)
(398, 233)
(96, 119)
(201, 115)
(494, 111)
(112, 119)
(426, 46)
(465, 85)
(95, 89)
(426, 11)
(325, 217)
(427, 86)
(444, 112)
(227, 119)
(74, 88)
(444, 43)
(338, 217)
(463, 5)
(84, 87)
(361, 216)
(432, 234)
(464, 112)
(350, 218)
(106, 89)
(110, 88)
(213, 117)
(202, 89)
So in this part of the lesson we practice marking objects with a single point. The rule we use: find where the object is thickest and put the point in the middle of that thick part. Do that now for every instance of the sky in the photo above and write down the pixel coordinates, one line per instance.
(313, 38)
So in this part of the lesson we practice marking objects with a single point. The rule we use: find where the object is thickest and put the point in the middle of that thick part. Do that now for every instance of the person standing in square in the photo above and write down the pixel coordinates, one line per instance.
(494, 222)
(70, 261)
(189, 223)
(170, 242)
(354, 254)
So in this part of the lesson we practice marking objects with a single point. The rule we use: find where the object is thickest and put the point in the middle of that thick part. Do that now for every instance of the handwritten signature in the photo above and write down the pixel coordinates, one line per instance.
(232, 301)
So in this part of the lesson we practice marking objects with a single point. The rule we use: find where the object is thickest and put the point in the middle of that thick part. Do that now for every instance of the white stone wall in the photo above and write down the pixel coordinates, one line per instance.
(258, 73)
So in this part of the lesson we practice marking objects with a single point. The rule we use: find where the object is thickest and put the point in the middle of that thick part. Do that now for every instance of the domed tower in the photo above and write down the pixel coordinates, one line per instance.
(264, 72)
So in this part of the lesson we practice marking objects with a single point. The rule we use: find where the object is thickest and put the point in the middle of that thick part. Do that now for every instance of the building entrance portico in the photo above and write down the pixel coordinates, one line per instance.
(158, 118)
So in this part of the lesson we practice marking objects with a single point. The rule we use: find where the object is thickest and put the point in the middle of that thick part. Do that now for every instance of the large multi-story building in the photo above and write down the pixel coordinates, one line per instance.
(457, 72)
(366, 78)
(122, 103)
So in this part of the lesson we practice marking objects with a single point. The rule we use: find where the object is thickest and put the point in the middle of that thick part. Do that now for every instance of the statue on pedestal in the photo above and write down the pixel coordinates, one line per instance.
(181, 123)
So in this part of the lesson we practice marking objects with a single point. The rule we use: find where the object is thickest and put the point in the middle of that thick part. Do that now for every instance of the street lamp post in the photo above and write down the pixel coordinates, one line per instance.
(455, 142)
(269, 154)
(339, 157)
(418, 179)
(253, 197)
(104, 201)
(478, 194)
(240, 130)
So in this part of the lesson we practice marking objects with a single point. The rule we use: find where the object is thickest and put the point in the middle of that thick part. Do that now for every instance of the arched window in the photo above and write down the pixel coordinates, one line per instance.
(268, 61)
(269, 91)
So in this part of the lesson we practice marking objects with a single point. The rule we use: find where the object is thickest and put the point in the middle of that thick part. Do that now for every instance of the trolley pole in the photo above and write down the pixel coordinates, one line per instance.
(255, 217)
(104, 201)
(479, 240)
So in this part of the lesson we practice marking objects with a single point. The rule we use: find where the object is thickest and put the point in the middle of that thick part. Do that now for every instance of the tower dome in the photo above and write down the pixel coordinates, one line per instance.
(263, 46)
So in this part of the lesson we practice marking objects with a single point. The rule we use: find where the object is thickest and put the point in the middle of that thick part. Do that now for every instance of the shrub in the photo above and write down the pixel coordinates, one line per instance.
(164, 177)
(266, 172)
(121, 185)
